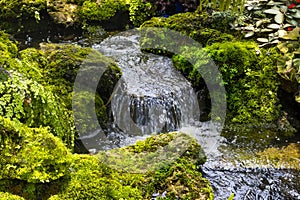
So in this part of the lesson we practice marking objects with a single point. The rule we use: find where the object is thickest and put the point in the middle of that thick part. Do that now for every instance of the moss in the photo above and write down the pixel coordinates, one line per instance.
(31, 154)
(11, 10)
(284, 157)
(8, 196)
(90, 179)
(8, 48)
(169, 163)
(196, 26)
(251, 82)
(104, 10)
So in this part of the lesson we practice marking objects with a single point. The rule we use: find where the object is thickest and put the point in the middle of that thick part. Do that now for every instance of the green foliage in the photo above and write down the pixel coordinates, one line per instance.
(31, 154)
(100, 10)
(90, 179)
(7, 47)
(251, 81)
(154, 153)
(28, 102)
(249, 76)
(21, 9)
(169, 163)
(140, 11)
(180, 180)
(203, 28)
(83, 107)
(8, 196)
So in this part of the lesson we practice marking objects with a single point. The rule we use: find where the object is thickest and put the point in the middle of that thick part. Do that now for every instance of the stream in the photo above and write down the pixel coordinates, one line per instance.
(153, 97)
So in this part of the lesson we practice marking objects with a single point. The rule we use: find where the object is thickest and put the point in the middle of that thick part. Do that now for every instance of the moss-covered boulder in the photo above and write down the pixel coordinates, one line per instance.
(203, 28)
(31, 154)
(251, 82)
(102, 177)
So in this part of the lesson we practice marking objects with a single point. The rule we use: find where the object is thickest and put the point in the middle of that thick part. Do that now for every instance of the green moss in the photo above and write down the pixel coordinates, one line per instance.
(90, 179)
(8, 196)
(140, 11)
(104, 10)
(31, 154)
(8, 48)
(21, 9)
(285, 157)
(169, 163)
(196, 26)
(251, 82)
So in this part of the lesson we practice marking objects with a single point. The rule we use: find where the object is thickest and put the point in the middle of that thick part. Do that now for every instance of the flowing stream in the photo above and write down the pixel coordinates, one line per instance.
(153, 97)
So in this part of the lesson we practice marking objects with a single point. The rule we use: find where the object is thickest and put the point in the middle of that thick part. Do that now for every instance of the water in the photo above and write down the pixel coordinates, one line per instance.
(153, 97)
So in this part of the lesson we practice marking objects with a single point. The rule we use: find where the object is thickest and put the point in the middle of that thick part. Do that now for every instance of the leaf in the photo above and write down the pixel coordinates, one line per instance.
(274, 26)
(292, 35)
(266, 30)
(283, 48)
(281, 33)
(287, 25)
(279, 18)
(297, 15)
(249, 34)
(263, 40)
(293, 22)
(275, 42)
(272, 11)
(258, 23)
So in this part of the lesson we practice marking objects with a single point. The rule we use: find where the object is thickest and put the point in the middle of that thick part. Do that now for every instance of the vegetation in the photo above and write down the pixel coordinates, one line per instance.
(43, 167)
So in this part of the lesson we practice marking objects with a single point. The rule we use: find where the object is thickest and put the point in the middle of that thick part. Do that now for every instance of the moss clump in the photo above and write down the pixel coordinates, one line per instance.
(104, 10)
(194, 25)
(42, 95)
(90, 179)
(169, 163)
(31, 154)
(251, 82)
(285, 157)
(8, 196)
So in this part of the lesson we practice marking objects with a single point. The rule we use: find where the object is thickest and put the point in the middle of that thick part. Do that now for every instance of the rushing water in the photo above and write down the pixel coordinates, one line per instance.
(153, 97)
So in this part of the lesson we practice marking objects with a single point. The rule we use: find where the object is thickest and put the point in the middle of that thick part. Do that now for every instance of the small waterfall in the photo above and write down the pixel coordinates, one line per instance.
(151, 96)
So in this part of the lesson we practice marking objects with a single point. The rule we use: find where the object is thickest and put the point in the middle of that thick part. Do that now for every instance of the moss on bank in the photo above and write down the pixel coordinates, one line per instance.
(36, 165)
(42, 94)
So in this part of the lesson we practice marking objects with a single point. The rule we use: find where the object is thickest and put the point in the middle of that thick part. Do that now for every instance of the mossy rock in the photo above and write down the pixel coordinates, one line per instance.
(8, 196)
(196, 26)
(169, 163)
(31, 154)
(27, 101)
(251, 82)
(90, 179)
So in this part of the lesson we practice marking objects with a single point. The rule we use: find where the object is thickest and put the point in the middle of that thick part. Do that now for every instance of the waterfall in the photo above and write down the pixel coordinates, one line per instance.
(152, 96)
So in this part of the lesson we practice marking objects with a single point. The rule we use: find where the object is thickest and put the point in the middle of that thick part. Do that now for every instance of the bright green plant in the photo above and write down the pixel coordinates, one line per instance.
(31, 154)
(140, 11)
(28, 102)
(100, 10)
(8, 196)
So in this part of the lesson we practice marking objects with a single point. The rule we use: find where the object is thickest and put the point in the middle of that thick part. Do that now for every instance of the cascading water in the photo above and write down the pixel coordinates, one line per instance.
(153, 97)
